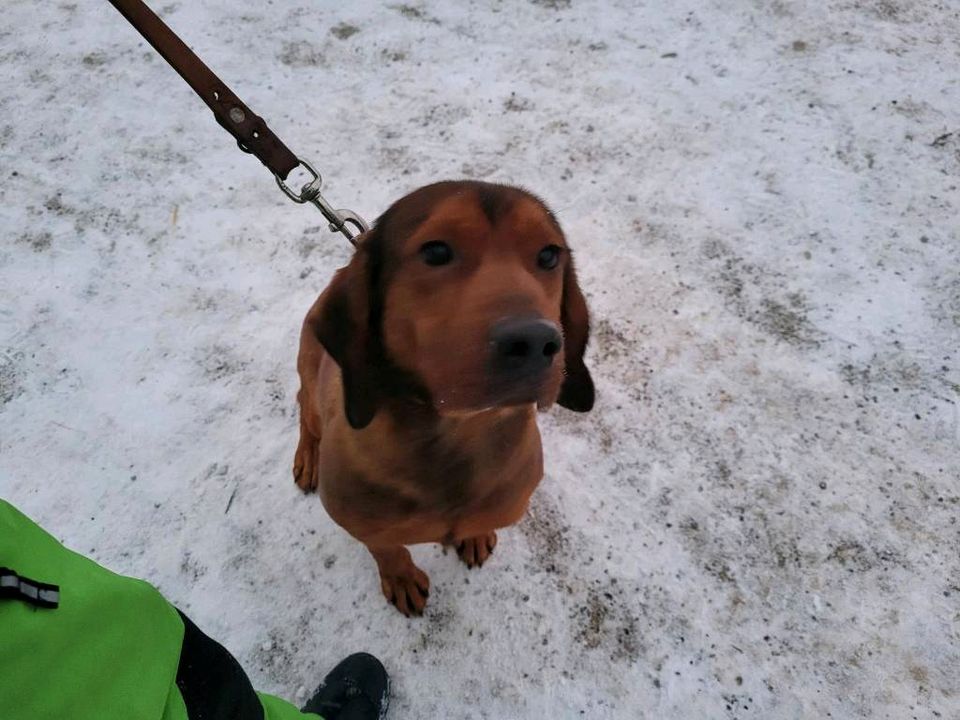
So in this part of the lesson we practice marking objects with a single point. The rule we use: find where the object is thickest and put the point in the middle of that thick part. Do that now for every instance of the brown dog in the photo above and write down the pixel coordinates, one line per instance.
(422, 366)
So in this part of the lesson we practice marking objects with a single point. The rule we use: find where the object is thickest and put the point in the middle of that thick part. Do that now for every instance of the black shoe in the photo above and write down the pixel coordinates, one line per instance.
(356, 689)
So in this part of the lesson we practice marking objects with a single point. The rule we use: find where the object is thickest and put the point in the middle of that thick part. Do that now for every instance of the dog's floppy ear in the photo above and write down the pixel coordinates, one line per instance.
(577, 392)
(347, 330)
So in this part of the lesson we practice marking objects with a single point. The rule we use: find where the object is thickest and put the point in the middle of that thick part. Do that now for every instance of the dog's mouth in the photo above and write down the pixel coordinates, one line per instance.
(521, 389)
(539, 388)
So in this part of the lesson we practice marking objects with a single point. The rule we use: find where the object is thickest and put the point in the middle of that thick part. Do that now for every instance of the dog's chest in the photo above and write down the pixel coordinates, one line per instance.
(440, 480)
(466, 472)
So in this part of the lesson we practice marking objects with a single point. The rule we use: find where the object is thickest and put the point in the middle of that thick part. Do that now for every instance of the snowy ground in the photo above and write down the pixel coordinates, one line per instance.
(759, 520)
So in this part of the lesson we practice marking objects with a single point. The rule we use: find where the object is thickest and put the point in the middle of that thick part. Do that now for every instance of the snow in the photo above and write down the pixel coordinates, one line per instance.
(759, 519)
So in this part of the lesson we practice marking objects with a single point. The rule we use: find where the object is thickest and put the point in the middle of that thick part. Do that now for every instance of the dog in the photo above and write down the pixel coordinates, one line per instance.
(422, 366)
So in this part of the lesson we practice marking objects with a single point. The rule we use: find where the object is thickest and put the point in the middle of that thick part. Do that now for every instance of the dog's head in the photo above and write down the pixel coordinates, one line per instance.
(464, 295)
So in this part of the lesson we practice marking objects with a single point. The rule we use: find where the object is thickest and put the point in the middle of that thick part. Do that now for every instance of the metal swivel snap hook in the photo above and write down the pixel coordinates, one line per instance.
(341, 220)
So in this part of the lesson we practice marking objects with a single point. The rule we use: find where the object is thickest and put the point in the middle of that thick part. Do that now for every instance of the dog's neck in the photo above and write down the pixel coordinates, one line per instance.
(408, 416)
(415, 431)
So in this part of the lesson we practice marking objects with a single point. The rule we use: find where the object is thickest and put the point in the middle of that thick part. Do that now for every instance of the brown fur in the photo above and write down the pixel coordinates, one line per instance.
(403, 430)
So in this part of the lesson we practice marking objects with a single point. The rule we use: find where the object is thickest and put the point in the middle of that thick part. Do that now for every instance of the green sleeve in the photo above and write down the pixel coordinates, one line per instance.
(110, 650)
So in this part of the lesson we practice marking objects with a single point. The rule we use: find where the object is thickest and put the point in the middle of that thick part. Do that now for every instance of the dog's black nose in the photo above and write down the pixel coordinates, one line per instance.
(524, 345)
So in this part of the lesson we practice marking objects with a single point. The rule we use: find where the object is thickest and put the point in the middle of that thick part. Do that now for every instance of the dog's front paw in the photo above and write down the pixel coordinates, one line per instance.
(405, 586)
(475, 551)
(408, 593)
(305, 465)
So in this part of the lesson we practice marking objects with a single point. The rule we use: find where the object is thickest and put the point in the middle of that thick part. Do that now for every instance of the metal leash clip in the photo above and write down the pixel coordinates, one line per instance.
(342, 220)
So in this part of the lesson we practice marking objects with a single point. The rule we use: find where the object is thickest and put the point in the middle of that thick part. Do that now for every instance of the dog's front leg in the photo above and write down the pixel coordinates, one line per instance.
(404, 585)
(306, 461)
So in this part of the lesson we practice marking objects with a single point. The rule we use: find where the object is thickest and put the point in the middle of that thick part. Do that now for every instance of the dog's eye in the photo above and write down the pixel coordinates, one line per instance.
(549, 257)
(436, 252)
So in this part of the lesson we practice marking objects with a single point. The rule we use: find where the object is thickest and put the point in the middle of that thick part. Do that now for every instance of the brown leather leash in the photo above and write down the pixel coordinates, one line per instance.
(249, 129)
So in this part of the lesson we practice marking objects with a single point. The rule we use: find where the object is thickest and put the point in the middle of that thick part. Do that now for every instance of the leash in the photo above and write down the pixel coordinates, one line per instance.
(248, 129)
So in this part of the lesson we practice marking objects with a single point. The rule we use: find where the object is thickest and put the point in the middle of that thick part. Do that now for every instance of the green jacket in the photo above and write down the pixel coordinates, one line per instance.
(112, 648)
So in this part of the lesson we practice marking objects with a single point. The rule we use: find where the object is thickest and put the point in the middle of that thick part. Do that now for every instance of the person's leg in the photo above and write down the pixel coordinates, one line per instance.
(212, 683)
(215, 687)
